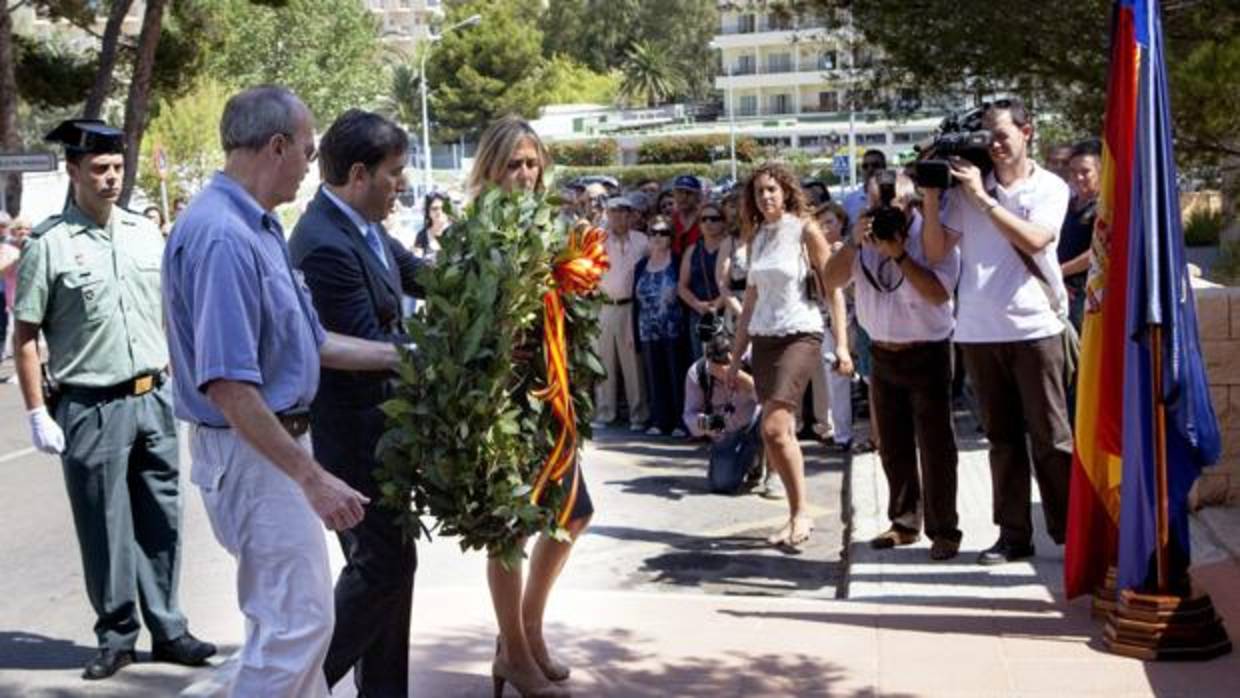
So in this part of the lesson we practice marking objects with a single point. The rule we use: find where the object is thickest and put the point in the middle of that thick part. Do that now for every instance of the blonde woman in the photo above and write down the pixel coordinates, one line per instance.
(513, 157)
(782, 319)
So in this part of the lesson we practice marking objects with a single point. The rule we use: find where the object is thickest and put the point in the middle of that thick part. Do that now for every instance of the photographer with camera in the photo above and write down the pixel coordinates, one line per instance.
(1011, 324)
(728, 416)
(904, 302)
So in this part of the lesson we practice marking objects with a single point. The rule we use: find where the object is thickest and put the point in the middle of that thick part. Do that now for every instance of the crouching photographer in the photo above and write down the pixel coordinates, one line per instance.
(728, 417)
(905, 304)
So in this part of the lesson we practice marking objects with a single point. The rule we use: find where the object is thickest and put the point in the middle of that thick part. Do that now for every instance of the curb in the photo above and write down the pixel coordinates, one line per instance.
(847, 514)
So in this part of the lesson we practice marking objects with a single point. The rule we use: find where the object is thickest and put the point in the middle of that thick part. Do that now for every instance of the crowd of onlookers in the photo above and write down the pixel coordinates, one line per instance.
(974, 302)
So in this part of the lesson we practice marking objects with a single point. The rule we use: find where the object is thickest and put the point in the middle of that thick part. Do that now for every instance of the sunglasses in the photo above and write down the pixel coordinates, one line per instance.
(518, 163)
(662, 232)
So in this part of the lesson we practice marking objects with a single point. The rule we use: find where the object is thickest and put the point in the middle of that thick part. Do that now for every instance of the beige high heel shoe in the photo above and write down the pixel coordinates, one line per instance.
(553, 670)
(501, 673)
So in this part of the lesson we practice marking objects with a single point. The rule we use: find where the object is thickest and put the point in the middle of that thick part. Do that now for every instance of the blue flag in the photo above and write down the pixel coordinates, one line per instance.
(1159, 296)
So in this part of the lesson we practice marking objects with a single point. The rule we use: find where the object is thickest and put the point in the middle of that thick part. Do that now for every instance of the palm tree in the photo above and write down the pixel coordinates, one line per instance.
(401, 103)
(647, 75)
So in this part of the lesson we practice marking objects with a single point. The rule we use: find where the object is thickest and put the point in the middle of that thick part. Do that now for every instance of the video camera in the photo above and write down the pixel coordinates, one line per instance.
(887, 220)
(960, 135)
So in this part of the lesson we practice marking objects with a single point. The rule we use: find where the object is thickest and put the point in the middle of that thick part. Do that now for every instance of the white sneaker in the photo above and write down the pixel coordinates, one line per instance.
(654, 431)
(823, 430)
(636, 428)
(679, 433)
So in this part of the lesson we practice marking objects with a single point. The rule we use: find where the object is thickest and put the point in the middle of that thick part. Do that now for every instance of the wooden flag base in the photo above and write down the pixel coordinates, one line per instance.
(1104, 596)
(1164, 627)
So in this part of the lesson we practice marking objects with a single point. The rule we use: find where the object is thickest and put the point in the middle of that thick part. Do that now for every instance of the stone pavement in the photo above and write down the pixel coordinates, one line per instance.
(908, 628)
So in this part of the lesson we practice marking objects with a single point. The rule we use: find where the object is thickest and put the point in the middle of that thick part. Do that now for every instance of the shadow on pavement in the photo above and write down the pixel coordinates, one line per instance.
(22, 650)
(623, 662)
(744, 561)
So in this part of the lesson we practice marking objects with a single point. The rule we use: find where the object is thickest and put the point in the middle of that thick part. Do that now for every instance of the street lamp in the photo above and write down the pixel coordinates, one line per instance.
(727, 67)
(426, 124)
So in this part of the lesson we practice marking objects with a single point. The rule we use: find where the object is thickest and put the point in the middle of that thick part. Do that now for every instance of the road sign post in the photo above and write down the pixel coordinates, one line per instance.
(161, 168)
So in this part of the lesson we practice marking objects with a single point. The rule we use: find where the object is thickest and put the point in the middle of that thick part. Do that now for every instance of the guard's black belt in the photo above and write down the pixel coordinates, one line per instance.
(138, 385)
(296, 421)
(617, 301)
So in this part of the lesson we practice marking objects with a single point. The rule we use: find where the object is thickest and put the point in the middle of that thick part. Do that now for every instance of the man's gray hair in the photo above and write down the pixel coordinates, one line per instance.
(253, 116)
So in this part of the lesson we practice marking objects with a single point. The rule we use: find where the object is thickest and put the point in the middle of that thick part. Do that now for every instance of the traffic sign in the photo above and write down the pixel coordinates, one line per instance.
(27, 162)
(841, 165)
(161, 162)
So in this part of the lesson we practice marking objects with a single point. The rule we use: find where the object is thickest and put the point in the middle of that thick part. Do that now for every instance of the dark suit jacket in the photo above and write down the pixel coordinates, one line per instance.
(353, 293)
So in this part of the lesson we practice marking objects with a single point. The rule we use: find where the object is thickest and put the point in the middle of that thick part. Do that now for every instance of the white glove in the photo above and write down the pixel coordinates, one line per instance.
(45, 432)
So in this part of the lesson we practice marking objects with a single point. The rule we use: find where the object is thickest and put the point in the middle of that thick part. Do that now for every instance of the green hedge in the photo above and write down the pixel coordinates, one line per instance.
(631, 175)
(703, 149)
(596, 153)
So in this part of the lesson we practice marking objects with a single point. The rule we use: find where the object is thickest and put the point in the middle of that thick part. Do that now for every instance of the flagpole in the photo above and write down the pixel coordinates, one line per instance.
(1161, 513)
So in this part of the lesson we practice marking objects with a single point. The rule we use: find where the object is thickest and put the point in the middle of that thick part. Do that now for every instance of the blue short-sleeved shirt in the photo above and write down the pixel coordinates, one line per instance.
(235, 308)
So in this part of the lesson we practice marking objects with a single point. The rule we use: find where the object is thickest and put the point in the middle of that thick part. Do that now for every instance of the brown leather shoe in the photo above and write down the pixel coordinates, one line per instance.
(894, 536)
(944, 549)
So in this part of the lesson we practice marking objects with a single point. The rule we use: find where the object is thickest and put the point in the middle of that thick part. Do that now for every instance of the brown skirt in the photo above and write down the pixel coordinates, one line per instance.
(782, 366)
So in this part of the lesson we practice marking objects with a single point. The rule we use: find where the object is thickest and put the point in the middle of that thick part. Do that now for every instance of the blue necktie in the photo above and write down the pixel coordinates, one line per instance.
(375, 244)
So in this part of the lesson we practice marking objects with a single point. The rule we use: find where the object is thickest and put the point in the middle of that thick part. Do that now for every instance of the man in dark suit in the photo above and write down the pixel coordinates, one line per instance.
(356, 274)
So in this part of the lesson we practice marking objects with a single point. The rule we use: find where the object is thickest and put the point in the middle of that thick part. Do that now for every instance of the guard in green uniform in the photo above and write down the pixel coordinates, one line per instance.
(89, 280)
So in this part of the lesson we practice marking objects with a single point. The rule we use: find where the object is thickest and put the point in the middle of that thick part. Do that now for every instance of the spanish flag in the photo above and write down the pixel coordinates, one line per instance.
(1093, 504)
(1140, 314)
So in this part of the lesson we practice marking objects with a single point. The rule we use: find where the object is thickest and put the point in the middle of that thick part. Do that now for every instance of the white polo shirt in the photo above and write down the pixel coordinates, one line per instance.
(889, 309)
(1000, 301)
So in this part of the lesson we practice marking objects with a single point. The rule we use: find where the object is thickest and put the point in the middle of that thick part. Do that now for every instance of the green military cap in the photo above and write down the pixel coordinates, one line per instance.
(87, 137)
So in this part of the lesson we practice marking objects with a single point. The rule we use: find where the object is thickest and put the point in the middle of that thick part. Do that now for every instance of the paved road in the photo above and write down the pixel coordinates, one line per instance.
(656, 531)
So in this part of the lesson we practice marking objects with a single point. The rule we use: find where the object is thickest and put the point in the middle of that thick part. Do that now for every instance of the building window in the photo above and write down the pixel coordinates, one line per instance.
(746, 65)
(745, 24)
(774, 141)
(872, 138)
(826, 60)
(779, 63)
(779, 22)
(828, 101)
(781, 104)
(749, 105)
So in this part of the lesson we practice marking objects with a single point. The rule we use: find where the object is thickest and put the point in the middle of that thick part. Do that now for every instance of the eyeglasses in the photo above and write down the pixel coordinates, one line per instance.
(712, 219)
(518, 163)
(871, 165)
(662, 231)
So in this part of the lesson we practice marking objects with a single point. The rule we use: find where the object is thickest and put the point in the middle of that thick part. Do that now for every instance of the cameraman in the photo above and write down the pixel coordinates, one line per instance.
(905, 305)
(1011, 295)
(727, 417)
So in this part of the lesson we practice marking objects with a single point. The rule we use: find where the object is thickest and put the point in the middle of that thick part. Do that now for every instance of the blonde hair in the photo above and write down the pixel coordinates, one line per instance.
(498, 144)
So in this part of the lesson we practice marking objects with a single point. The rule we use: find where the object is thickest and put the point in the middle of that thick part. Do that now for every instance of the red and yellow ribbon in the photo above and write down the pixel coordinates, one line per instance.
(576, 270)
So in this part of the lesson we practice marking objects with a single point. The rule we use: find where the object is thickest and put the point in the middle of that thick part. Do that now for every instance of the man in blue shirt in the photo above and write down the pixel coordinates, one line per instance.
(246, 346)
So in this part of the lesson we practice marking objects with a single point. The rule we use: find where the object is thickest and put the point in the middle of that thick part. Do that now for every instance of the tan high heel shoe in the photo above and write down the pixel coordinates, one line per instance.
(501, 673)
(553, 670)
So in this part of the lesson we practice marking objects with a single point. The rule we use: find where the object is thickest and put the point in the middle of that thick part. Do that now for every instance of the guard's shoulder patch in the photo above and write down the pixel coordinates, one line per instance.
(48, 224)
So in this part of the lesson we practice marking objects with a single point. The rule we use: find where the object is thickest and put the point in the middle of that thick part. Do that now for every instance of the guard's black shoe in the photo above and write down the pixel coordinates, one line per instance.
(187, 650)
(107, 662)
(1003, 551)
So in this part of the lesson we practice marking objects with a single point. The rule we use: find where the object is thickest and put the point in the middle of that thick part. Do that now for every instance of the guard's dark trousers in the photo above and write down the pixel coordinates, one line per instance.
(120, 465)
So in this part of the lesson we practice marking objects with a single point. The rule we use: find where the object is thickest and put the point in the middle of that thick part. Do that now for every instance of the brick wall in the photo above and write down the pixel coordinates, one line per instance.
(1218, 320)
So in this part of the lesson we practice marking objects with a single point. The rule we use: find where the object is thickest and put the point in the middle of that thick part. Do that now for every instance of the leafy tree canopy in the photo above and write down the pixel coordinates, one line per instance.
(187, 130)
(479, 73)
(325, 51)
(601, 33)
